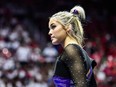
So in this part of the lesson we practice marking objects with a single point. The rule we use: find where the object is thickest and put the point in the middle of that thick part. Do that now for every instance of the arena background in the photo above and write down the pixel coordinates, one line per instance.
(26, 55)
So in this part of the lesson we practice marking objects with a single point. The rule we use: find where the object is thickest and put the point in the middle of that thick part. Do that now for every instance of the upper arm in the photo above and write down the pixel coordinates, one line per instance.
(76, 64)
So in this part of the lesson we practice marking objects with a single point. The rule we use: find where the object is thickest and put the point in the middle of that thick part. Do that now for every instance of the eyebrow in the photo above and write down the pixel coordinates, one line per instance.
(51, 24)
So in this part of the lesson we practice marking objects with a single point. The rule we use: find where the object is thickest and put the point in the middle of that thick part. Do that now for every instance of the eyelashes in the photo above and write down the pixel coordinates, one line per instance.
(52, 26)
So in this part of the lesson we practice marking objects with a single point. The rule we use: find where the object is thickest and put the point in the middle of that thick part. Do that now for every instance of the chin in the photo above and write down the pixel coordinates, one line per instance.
(55, 43)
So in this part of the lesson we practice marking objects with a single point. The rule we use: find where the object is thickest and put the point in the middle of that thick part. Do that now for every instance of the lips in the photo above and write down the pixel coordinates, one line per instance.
(52, 37)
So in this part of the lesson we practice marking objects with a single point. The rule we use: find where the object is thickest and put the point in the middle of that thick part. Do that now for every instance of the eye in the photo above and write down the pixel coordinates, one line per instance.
(52, 26)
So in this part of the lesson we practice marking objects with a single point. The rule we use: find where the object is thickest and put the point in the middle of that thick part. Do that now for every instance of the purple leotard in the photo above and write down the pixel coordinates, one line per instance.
(62, 82)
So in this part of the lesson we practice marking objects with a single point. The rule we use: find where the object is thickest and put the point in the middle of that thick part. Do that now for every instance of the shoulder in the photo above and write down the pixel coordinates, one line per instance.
(72, 52)
(70, 47)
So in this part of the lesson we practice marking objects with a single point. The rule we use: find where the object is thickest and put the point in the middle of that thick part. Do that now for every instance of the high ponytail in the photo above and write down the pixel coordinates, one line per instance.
(78, 11)
(78, 16)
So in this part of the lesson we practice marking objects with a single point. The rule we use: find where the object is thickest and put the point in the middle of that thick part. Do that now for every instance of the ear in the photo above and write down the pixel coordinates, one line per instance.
(69, 28)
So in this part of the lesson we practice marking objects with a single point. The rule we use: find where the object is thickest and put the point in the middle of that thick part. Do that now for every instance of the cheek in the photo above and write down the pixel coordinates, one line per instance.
(60, 36)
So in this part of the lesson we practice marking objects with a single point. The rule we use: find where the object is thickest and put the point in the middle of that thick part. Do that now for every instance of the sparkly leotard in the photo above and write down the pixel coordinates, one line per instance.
(74, 68)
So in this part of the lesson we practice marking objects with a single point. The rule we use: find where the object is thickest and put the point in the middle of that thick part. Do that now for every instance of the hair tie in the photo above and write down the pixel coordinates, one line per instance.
(75, 12)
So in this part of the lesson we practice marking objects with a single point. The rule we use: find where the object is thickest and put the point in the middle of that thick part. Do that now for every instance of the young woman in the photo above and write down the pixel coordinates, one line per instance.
(73, 68)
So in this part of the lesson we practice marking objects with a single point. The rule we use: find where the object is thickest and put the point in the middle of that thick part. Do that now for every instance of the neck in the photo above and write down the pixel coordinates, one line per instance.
(68, 40)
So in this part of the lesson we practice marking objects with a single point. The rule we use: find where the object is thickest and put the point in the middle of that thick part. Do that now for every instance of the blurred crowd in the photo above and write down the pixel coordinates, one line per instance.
(26, 55)
(23, 63)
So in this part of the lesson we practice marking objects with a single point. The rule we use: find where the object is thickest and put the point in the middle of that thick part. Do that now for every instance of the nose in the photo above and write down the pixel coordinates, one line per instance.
(50, 32)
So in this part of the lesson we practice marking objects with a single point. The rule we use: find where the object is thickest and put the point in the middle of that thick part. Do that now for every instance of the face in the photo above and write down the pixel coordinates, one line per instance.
(56, 32)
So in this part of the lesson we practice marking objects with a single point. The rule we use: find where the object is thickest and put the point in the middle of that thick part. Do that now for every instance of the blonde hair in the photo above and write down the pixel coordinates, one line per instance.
(74, 17)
